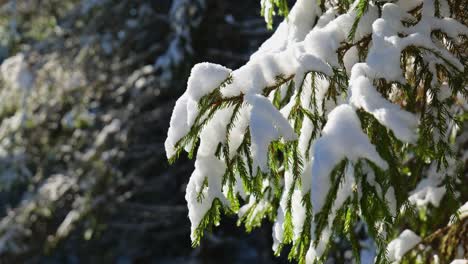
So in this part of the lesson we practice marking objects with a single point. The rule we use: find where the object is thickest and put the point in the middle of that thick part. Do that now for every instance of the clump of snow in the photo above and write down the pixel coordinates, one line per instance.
(350, 58)
(398, 247)
(324, 41)
(212, 169)
(459, 261)
(205, 78)
(462, 212)
(237, 134)
(342, 137)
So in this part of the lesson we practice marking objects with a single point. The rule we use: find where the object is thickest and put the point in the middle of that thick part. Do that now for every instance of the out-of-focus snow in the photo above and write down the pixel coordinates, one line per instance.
(398, 247)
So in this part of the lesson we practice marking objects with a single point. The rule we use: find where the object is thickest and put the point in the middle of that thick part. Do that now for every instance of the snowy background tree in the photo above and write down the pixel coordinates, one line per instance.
(350, 118)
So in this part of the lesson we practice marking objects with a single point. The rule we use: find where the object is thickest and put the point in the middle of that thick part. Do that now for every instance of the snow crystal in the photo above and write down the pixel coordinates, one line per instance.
(278, 227)
(55, 186)
(262, 72)
(296, 48)
(214, 132)
(298, 212)
(350, 58)
(204, 78)
(268, 7)
(316, 252)
(293, 29)
(236, 136)
(344, 192)
(398, 247)
(431, 189)
(408, 5)
(391, 201)
(313, 54)
(462, 212)
(427, 193)
(178, 125)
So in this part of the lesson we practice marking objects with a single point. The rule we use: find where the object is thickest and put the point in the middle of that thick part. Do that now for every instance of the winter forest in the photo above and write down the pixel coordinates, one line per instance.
(234, 132)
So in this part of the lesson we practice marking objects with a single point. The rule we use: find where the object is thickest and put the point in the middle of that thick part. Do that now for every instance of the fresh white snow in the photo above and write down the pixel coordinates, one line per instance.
(398, 247)
(297, 48)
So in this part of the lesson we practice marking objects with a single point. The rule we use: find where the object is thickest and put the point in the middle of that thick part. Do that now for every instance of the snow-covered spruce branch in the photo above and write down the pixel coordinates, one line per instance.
(315, 130)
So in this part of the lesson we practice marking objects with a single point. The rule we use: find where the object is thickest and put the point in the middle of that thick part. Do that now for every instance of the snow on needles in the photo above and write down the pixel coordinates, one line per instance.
(266, 125)
(303, 61)
(342, 137)
(398, 247)
(204, 78)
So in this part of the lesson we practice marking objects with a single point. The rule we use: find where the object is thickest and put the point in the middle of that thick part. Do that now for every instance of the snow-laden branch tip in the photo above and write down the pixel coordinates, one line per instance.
(317, 126)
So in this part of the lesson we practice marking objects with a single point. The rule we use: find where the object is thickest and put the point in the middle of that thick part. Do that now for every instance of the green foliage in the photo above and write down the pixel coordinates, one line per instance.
(361, 10)
(280, 5)
(368, 202)
(211, 218)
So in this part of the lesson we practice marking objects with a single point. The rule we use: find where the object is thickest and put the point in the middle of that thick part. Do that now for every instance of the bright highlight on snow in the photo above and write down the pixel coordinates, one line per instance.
(398, 247)
(313, 132)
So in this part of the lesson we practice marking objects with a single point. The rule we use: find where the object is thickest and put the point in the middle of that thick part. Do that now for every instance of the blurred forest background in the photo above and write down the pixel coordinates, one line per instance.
(87, 89)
